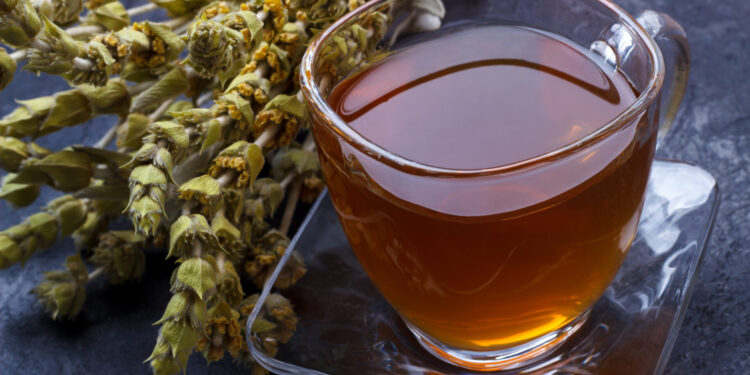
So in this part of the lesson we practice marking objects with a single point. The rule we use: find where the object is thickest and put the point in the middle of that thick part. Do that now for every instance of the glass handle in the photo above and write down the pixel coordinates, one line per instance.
(672, 41)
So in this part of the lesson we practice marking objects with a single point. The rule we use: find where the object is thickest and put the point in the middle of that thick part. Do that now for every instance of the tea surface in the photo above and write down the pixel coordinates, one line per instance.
(481, 97)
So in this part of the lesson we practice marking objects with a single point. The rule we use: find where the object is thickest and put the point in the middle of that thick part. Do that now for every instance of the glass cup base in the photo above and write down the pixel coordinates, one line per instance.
(502, 359)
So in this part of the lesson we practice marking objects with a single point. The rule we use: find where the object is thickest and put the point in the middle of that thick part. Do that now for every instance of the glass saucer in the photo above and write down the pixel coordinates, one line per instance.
(346, 327)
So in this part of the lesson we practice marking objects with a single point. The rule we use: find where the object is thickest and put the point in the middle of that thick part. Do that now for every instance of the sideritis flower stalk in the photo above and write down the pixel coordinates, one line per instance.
(44, 115)
(120, 255)
(39, 231)
(62, 292)
(194, 283)
(151, 174)
(221, 46)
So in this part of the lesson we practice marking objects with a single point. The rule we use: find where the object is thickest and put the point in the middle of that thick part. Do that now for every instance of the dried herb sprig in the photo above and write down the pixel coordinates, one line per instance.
(40, 231)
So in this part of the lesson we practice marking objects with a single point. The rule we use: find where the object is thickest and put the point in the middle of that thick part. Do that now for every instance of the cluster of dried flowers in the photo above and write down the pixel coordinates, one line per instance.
(189, 167)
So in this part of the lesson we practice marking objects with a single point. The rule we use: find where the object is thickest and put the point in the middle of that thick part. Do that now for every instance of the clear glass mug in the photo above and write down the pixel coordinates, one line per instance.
(494, 284)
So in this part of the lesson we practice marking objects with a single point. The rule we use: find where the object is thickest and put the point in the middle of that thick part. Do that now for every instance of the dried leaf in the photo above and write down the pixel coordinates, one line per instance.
(195, 162)
(270, 192)
(172, 131)
(104, 192)
(186, 230)
(177, 307)
(262, 326)
(147, 212)
(230, 286)
(67, 170)
(180, 335)
(71, 107)
(180, 106)
(197, 274)
(213, 134)
(192, 116)
(71, 213)
(12, 152)
(244, 158)
(294, 160)
(44, 226)
(289, 104)
(240, 105)
(170, 85)
(180, 7)
(7, 69)
(184, 306)
(20, 195)
(149, 175)
(113, 16)
(26, 119)
(130, 134)
(251, 79)
(204, 189)
(10, 253)
(112, 98)
(137, 40)
(103, 156)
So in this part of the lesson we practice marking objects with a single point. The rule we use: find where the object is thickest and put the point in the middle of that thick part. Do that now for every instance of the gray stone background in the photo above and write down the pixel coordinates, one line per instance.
(113, 335)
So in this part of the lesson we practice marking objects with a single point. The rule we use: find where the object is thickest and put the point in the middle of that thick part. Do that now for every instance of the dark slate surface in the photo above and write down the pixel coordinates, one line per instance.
(114, 333)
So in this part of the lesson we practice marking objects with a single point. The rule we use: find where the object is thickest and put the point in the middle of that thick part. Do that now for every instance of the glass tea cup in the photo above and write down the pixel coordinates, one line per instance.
(494, 282)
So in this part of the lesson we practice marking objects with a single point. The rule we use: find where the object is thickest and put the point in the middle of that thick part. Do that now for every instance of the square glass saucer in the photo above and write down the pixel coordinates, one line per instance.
(346, 327)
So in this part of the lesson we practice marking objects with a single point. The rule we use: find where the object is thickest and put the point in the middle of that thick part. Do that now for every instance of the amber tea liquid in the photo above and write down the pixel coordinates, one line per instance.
(494, 261)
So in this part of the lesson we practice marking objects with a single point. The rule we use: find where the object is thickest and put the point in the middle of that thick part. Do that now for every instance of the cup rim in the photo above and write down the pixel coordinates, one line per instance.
(314, 97)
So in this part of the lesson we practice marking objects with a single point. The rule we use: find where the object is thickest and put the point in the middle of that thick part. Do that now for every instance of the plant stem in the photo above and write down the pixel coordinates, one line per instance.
(197, 249)
(291, 206)
(203, 98)
(18, 55)
(267, 135)
(187, 207)
(138, 88)
(227, 177)
(262, 69)
(142, 9)
(108, 137)
(287, 180)
(83, 64)
(84, 30)
(162, 108)
(96, 273)
(221, 258)
(40, 45)
(309, 143)
(178, 22)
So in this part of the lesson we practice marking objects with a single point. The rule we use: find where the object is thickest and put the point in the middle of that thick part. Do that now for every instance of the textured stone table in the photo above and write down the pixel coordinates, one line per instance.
(114, 334)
